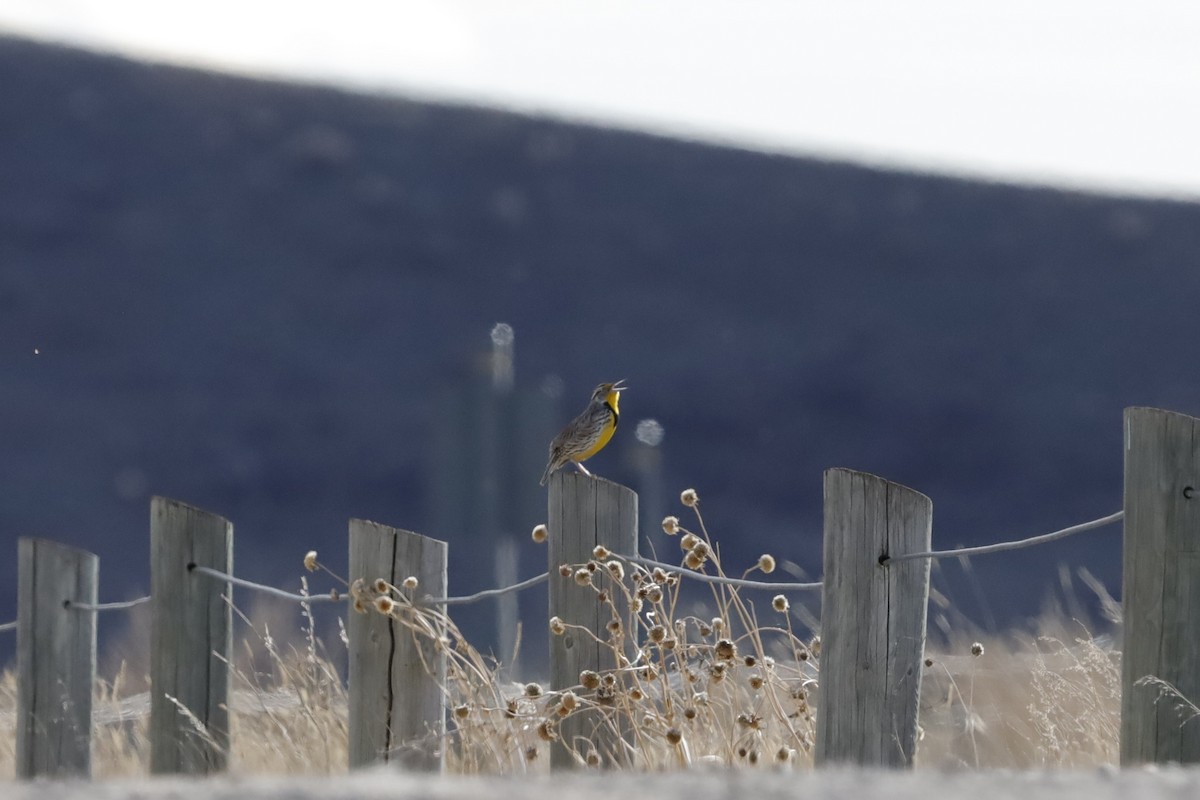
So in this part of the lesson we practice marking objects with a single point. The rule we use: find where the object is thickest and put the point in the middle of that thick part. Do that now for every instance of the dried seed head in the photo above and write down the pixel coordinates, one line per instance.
(547, 731)
(589, 679)
(381, 586)
(747, 720)
(609, 680)
(766, 563)
(614, 626)
(670, 525)
(411, 582)
(593, 758)
(567, 703)
(557, 626)
(649, 673)
(750, 661)
(654, 594)
(783, 755)
(742, 751)
(705, 630)
(726, 649)
(565, 570)
(539, 533)
(702, 549)
(670, 643)
(616, 569)
(718, 624)
(583, 577)
(977, 649)
(753, 757)
(780, 604)
(592, 565)
(689, 713)
(636, 605)
(601, 552)
(689, 498)
(929, 662)
(601, 596)
(688, 541)
(814, 646)
(659, 576)
(756, 682)
(717, 673)
(533, 690)
(384, 604)
(693, 561)
(359, 606)
(462, 711)
(674, 736)
(531, 753)
(510, 709)
(636, 694)
(310, 561)
(657, 634)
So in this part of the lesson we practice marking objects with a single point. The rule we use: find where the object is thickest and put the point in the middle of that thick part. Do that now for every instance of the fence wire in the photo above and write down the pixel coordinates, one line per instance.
(1014, 545)
(721, 579)
(107, 606)
(338, 597)
(332, 597)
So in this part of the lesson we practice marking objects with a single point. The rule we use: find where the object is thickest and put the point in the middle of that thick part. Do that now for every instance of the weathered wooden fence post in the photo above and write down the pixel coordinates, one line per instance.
(190, 639)
(584, 512)
(872, 620)
(1161, 594)
(397, 708)
(56, 659)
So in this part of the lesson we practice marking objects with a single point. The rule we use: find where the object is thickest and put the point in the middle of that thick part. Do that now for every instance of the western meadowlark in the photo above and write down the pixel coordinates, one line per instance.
(587, 434)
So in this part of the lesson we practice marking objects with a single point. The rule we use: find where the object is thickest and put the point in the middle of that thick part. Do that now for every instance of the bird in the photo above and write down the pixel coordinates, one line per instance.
(587, 434)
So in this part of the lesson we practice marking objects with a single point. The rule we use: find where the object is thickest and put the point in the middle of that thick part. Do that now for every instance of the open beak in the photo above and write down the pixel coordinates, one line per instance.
(618, 386)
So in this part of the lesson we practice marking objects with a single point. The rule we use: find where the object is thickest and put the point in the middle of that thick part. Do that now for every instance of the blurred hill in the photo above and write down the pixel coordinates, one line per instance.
(251, 296)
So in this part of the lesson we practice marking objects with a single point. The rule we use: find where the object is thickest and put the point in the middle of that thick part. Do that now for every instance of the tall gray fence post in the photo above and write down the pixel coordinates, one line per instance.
(584, 512)
(1161, 594)
(190, 639)
(397, 709)
(56, 659)
(872, 620)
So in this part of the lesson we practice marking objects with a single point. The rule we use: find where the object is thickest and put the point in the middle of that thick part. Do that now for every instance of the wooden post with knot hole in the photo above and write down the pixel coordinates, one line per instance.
(872, 620)
(56, 659)
(1160, 665)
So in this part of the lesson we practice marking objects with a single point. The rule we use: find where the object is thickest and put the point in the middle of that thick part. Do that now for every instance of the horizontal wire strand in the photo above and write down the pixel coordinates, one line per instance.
(1014, 545)
(107, 606)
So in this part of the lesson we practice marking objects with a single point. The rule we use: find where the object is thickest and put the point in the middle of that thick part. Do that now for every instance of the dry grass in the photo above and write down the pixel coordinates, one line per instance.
(717, 681)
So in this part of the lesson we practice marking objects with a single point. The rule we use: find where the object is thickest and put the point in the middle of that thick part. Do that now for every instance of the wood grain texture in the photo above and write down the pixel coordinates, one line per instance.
(56, 659)
(396, 704)
(584, 512)
(872, 620)
(190, 639)
(1161, 593)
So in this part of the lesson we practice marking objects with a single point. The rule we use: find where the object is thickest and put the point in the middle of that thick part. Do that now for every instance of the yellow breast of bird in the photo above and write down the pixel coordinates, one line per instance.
(606, 433)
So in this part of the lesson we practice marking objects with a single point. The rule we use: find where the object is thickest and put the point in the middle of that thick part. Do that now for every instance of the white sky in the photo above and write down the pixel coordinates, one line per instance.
(1091, 93)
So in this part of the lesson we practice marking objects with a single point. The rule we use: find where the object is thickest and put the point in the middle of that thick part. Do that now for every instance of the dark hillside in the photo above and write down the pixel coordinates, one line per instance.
(245, 294)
